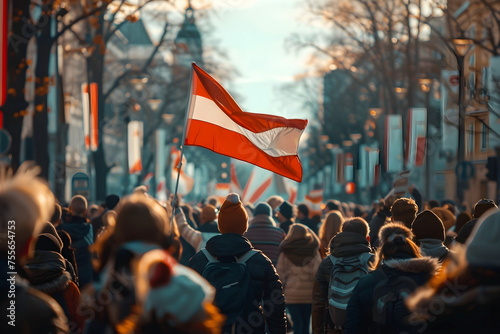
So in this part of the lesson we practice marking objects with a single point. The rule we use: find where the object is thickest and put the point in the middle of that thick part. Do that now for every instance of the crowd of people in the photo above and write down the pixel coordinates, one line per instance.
(137, 265)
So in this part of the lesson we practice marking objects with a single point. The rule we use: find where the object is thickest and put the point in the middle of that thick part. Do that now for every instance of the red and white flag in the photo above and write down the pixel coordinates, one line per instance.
(216, 122)
(135, 137)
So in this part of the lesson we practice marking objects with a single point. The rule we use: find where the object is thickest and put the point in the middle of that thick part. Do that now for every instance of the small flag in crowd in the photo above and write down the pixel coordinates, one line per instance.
(216, 122)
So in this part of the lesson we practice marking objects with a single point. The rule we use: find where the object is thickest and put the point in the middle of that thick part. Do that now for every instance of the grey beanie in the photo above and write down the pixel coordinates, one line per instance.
(483, 246)
(262, 208)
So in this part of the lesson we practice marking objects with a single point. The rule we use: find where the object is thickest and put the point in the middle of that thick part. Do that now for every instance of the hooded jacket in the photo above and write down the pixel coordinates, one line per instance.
(433, 248)
(82, 237)
(359, 310)
(265, 284)
(344, 244)
(47, 273)
(35, 312)
(468, 303)
(265, 236)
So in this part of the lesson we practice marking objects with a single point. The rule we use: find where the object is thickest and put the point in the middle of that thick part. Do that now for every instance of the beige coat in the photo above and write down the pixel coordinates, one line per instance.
(298, 281)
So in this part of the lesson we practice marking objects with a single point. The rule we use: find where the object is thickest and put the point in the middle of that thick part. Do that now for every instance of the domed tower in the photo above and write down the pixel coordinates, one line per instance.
(188, 44)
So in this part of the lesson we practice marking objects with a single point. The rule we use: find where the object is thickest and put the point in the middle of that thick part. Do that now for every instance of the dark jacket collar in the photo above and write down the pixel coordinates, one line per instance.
(228, 245)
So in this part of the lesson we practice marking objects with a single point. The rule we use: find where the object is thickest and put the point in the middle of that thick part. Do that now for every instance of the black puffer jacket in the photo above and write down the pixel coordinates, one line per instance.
(359, 310)
(345, 244)
(265, 285)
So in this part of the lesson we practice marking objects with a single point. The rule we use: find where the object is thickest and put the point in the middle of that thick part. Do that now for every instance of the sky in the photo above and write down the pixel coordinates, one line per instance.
(253, 34)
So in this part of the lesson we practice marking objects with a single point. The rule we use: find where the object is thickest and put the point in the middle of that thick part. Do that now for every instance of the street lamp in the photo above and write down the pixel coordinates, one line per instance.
(461, 47)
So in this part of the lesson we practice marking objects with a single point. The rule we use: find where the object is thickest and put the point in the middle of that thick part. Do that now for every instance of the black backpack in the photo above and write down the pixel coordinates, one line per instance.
(344, 277)
(231, 281)
(389, 313)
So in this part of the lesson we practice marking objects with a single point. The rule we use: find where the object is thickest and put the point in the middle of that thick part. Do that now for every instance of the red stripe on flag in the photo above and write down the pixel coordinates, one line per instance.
(234, 177)
(260, 190)
(235, 145)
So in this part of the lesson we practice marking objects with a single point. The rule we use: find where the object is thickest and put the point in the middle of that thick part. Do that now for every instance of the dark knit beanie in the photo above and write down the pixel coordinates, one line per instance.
(233, 217)
(48, 242)
(111, 201)
(286, 209)
(262, 208)
(466, 231)
(427, 225)
(463, 218)
(482, 206)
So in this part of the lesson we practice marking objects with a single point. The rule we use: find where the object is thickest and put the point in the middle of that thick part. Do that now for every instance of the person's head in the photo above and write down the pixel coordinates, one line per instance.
(213, 201)
(48, 242)
(262, 208)
(48, 228)
(482, 206)
(404, 210)
(233, 217)
(111, 201)
(463, 218)
(25, 203)
(427, 225)
(301, 232)
(208, 214)
(332, 205)
(78, 206)
(357, 225)
(275, 201)
(285, 211)
(331, 226)
(396, 242)
(56, 216)
(65, 238)
(483, 247)
(302, 211)
(446, 217)
(141, 218)
(94, 210)
(433, 204)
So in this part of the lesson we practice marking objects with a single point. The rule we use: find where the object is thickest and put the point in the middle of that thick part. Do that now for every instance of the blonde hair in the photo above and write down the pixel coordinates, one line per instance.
(25, 202)
(330, 227)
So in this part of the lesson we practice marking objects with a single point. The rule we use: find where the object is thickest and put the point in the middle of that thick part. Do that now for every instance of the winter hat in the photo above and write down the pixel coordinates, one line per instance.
(286, 209)
(302, 207)
(233, 217)
(483, 246)
(446, 217)
(427, 225)
(482, 206)
(50, 229)
(111, 201)
(262, 208)
(463, 218)
(48, 242)
(208, 213)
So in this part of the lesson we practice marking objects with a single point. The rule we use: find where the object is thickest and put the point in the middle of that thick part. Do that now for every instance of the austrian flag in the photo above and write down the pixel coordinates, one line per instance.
(216, 122)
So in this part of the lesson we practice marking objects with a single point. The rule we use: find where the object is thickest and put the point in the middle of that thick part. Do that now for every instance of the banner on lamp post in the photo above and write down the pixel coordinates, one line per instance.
(416, 137)
(393, 144)
(135, 137)
(86, 115)
(160, 164)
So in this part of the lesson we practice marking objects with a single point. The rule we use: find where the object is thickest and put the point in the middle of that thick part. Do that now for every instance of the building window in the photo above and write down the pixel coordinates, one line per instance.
(470, 139)
(484, 137)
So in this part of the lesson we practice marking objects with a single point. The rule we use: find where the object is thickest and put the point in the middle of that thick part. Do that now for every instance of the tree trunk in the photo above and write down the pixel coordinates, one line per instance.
(42, 80)
(95, 67)
(15, 105)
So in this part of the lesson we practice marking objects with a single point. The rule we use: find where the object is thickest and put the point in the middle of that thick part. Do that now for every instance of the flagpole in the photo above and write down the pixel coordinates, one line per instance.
(181, 147)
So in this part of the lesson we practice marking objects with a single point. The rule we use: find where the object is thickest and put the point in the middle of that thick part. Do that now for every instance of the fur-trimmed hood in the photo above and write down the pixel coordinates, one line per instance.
(424, 264)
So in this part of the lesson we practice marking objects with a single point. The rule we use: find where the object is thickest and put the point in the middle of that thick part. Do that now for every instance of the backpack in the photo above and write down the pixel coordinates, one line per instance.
(231, 281)
(389, 311)
(345, 274)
